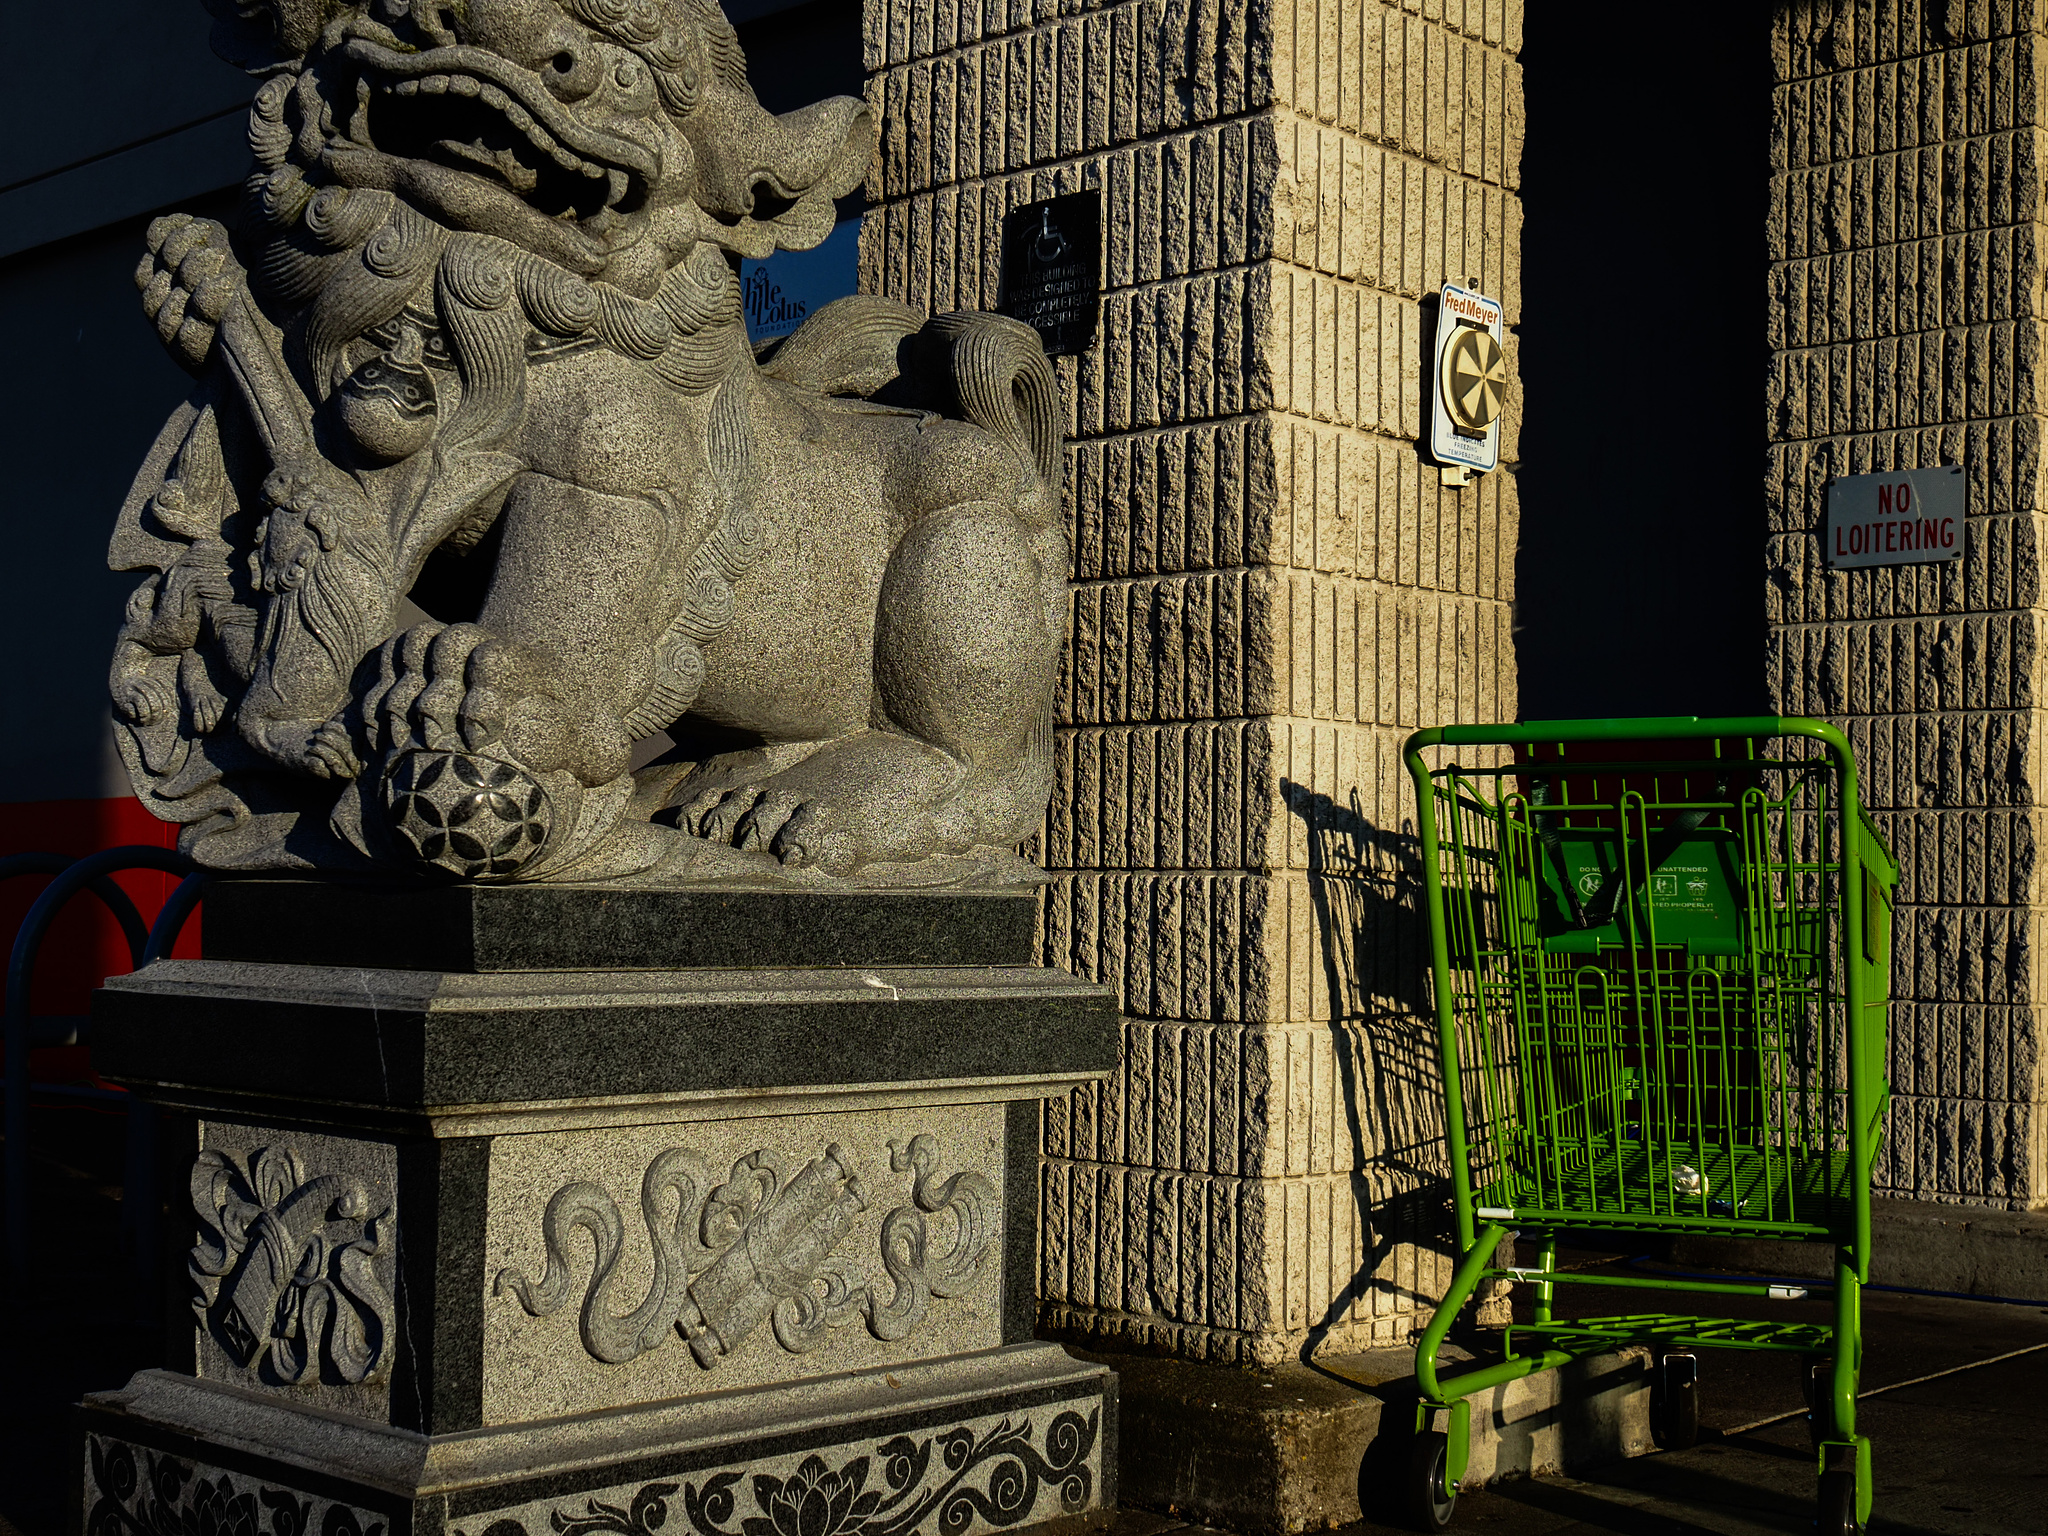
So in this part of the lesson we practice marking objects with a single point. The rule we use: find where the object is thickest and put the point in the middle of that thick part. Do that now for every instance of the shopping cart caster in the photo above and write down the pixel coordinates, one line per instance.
(1835, 1512)
(1675, 1402)
(1430, 1502)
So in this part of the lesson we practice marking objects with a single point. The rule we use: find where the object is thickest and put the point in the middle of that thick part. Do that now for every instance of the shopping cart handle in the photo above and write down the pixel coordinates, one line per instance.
(1651, 728)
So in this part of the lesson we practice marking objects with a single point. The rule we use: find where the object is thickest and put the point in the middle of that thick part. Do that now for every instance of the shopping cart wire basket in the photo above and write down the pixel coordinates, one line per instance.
(1661, 953)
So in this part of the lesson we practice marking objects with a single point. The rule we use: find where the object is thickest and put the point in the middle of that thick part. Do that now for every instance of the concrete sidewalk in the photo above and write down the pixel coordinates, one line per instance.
(1956, 1403)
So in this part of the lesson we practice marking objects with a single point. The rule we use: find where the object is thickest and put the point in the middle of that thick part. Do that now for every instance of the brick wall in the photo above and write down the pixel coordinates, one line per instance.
(1905, 298)
(1270, 589)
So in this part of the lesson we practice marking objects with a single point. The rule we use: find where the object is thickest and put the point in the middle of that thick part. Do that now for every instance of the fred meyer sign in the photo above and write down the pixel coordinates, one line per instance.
(1903, 518)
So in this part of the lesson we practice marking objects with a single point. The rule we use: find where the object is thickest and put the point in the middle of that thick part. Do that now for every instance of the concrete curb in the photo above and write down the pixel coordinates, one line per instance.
(1293, 1448)
(1965, 1249)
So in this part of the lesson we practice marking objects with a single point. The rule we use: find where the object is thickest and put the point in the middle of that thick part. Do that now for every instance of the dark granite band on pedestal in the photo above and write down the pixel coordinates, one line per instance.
(485, 928)
(552, 1209)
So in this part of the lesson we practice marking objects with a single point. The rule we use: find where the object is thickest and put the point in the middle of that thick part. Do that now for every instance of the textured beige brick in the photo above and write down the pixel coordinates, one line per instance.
(1270, 589)
(1904, 317)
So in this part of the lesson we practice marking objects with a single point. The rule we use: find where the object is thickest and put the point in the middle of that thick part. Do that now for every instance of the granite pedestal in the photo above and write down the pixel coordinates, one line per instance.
(567, 1210)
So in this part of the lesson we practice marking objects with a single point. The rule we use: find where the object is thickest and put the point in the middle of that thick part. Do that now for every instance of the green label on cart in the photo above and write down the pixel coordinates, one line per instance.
(1692, 897)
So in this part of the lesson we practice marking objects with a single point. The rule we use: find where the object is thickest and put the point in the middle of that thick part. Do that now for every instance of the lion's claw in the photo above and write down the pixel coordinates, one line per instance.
(720, 821)
(330, 754)
(758, 829)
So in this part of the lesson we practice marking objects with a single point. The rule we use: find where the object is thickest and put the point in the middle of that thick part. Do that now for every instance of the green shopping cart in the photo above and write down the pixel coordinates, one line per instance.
(1661, 953)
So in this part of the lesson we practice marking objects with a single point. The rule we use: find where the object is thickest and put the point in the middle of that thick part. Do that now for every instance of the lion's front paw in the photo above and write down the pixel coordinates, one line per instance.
(422, 698)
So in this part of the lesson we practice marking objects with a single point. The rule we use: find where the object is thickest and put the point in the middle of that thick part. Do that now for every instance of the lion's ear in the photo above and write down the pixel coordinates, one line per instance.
(779, 175)
(263, 36)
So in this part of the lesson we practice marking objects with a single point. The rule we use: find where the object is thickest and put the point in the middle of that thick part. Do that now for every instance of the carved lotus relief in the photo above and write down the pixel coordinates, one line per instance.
(761, 1246)
(135, 1491)
(983, 1475)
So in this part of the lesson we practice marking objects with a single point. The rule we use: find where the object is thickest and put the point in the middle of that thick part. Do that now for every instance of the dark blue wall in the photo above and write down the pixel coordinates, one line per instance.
(1641, 579)
(128, 114)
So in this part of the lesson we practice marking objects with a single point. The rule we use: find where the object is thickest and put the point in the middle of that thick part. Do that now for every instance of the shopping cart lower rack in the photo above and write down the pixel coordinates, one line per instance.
(1661, 952)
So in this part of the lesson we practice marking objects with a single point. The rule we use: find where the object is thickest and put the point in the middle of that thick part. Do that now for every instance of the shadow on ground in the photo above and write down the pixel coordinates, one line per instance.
(74, 1326)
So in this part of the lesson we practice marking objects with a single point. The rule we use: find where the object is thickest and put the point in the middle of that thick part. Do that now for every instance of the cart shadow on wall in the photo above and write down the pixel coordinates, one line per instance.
(1365, 883)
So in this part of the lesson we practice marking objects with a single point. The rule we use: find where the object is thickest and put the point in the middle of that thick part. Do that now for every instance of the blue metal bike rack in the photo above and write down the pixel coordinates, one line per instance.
(91, 873)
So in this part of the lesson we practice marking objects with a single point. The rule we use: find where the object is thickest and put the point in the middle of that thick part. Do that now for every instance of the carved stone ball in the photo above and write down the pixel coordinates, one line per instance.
(475, 817)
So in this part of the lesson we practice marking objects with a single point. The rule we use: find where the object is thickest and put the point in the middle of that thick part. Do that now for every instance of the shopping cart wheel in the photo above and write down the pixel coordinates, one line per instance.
(1835, 1514)
(1430, 1503)
(1675, 1402)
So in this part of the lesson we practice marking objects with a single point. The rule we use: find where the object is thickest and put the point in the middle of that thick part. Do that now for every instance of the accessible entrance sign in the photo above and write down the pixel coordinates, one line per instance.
(1052, 269)
(1907, 517)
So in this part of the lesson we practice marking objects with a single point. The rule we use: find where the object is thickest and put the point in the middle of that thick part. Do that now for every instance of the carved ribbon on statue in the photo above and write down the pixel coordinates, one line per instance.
(286, 1272)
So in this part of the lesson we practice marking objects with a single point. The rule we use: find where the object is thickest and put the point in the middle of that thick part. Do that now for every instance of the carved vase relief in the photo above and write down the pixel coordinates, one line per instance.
(761, 1246)
(286, 1271)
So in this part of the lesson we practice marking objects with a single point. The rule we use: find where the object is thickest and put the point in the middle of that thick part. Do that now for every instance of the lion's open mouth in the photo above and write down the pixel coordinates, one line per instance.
(471, 112)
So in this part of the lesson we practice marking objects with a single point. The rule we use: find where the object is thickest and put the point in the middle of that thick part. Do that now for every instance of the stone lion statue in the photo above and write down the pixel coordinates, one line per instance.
(476, 351)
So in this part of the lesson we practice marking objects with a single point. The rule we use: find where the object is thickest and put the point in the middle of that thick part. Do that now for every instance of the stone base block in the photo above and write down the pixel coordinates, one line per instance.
(974, 1443)
(1302, 1447)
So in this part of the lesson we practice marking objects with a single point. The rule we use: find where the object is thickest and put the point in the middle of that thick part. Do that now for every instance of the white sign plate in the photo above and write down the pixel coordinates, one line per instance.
(1907, 517)
(1469, 379)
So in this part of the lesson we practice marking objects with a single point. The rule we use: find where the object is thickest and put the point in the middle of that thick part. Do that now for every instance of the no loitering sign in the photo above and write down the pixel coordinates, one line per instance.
(1907, 517)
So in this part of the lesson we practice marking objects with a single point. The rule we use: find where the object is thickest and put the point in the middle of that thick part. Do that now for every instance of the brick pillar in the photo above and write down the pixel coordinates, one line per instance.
(1905, 293)
(1270, 588)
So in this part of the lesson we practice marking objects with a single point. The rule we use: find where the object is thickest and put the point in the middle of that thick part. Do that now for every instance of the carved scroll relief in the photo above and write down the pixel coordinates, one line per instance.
(762, 1246)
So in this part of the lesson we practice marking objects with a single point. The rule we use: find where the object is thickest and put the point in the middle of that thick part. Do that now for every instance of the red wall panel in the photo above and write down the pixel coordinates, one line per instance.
(84, 945)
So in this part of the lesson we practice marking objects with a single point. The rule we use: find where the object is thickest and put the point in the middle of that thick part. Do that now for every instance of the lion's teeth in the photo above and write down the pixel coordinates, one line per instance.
(519, 118)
